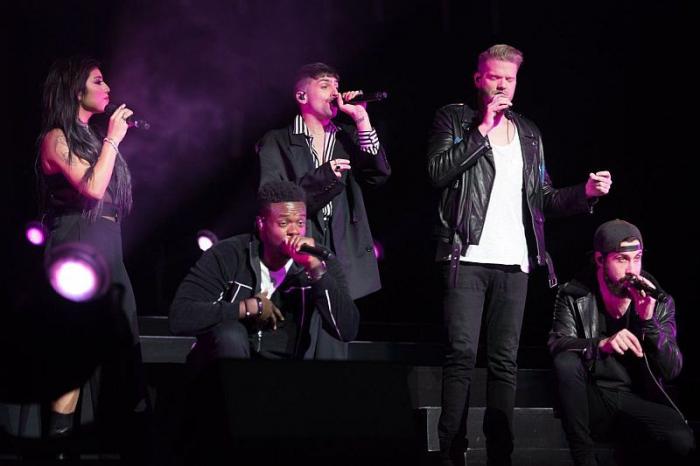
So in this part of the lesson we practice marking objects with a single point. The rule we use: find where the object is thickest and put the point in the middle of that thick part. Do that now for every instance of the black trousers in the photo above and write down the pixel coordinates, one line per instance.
(228, 340)
(652, 433)
(495, 294)
(108, 335)
(104, 236)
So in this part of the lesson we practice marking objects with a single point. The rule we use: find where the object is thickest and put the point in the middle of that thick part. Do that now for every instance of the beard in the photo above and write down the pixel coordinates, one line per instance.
(616, 287)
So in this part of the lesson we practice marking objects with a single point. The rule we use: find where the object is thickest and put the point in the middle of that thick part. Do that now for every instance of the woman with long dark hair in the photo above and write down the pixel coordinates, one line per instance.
(85, 191)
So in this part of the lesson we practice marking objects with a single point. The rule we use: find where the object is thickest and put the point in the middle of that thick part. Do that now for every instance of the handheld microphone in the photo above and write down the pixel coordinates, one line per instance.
(634, 282)
(508, 113)
(317, 252)
(368, 97)
(131, 121)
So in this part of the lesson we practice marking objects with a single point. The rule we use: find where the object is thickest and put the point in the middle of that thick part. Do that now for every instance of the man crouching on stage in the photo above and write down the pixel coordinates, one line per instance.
(258, 295)
(613, 340)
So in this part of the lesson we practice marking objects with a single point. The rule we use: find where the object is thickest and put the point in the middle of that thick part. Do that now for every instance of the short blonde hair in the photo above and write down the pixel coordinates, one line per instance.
(501, 52)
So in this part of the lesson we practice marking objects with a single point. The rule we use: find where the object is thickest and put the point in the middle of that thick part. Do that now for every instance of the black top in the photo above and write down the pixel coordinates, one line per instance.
(285, 342)
(62, 198)
(617, 371)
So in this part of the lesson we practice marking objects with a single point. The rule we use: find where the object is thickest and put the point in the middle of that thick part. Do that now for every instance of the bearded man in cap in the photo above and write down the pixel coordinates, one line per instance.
(613, 341)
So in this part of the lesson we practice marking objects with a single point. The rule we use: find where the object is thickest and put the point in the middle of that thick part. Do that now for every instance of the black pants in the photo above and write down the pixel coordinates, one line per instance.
(113, 329)
(653, 433)
(500, 291)
(103, 235)
(228, 340)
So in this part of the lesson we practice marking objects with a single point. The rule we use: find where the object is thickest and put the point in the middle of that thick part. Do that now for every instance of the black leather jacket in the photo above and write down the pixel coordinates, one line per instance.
(576, 327)
(461, 164)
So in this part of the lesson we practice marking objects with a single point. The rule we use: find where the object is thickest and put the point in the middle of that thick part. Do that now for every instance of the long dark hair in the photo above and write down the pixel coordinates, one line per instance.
(65, 81)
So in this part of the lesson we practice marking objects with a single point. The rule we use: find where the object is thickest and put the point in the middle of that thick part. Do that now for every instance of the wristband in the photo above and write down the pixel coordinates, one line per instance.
(260, 307)
(316, 274)
(111, 143)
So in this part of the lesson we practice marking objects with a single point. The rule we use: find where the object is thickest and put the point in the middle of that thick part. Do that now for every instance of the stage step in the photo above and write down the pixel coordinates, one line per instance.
(378, 342)
(534, 428)
(165, 349)
(534, 387)
(539, 439)
(171, 349)
(526, 457)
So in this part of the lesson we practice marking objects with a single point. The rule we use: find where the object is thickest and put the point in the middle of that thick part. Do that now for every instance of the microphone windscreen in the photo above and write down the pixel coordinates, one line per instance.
(110, 108)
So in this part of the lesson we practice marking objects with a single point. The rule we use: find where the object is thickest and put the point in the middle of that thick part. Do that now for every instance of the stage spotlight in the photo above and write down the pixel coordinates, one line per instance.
(378, 250)
(206, 239)
(77, 271)
(35, 233)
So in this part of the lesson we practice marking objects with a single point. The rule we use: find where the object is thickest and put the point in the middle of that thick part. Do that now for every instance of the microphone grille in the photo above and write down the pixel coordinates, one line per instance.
(110, 108)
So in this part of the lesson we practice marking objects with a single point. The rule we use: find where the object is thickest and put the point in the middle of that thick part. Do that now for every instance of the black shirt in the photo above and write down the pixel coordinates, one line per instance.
(617, 371)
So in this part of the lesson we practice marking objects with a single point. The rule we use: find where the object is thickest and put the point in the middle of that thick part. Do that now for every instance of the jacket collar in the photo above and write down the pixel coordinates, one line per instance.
(299, 132)
(529, 143)
(299, 127)
(581, 286)
(254, 260)
(586, 283)
(583, 289)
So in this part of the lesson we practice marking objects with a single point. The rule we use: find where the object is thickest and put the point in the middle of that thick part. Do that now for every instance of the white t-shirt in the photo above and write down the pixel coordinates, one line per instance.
(503, 236)
(272, 279)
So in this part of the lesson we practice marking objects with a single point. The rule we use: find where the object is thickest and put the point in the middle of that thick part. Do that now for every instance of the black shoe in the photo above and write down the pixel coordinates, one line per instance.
(454, 457)
(61, 440)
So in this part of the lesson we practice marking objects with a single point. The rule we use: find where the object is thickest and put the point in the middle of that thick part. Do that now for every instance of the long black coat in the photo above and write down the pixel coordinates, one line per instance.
(286, 156)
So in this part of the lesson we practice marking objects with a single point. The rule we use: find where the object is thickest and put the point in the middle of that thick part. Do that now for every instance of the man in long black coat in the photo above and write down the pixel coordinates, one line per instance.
(331, 162)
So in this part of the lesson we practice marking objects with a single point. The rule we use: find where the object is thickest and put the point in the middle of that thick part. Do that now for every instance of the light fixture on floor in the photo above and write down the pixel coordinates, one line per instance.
(77, 271)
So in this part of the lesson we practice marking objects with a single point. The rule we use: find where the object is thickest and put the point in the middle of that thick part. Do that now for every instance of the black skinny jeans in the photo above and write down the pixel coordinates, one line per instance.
(500, 291)
(652, 433)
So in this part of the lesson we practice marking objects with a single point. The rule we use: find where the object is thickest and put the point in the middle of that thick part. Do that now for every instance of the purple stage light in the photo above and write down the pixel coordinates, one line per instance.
(35, 233)
(77, 272)
(378, 250)
(206, 239)
(73, 280)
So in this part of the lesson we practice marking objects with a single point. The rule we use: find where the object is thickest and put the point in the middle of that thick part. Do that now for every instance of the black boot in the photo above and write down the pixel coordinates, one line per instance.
(60, 435)
(60, 425)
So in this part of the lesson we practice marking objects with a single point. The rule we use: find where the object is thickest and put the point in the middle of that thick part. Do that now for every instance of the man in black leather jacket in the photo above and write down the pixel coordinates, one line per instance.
(613, 340)
(489, 165)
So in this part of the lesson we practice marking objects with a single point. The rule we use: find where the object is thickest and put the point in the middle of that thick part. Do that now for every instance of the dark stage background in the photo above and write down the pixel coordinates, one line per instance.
(606, 83)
